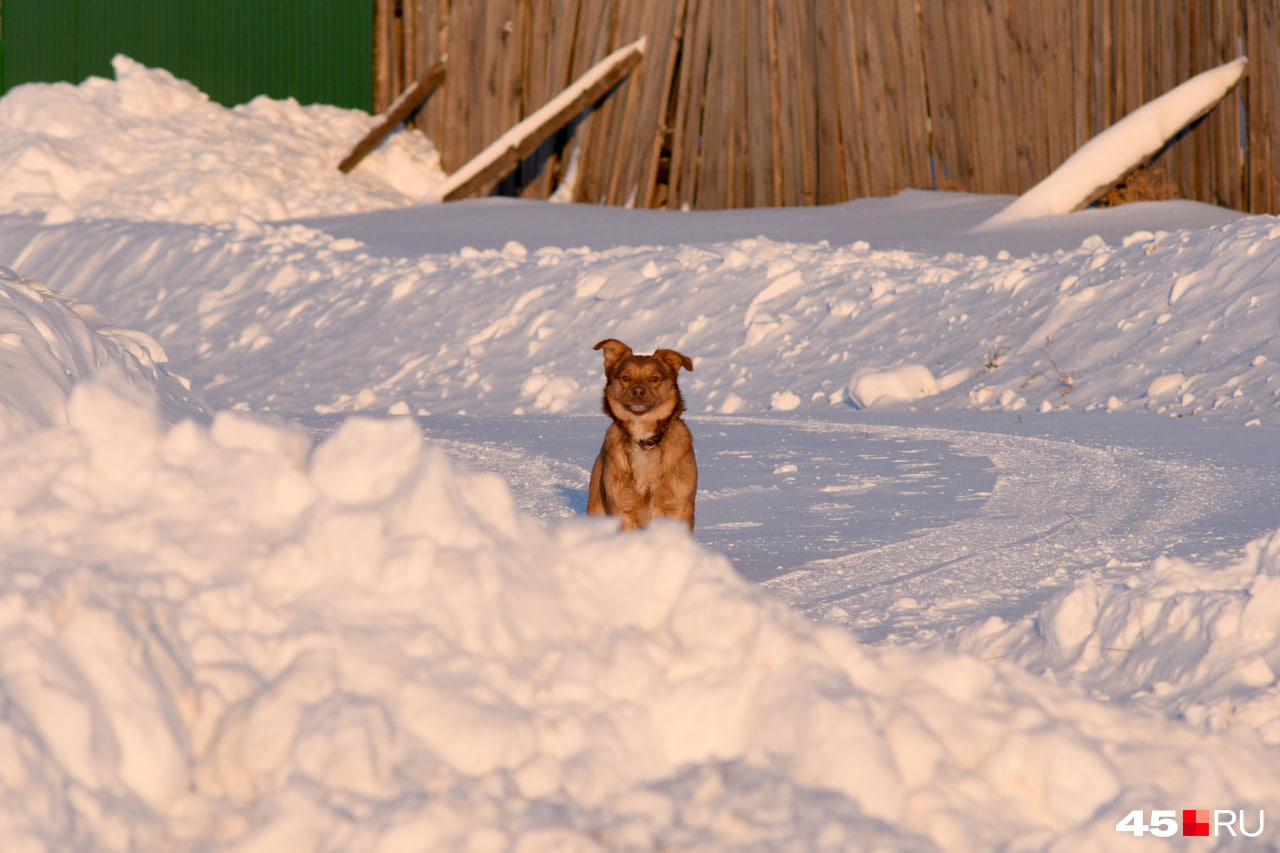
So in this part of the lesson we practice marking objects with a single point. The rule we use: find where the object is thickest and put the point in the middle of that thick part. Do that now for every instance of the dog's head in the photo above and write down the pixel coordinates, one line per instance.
(640, 390)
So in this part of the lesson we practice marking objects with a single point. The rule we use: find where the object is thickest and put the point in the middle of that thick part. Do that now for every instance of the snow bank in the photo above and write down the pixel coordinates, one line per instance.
(213, 634)
(48, 342)
(1194, 642)
(291, 319)
(148, 146)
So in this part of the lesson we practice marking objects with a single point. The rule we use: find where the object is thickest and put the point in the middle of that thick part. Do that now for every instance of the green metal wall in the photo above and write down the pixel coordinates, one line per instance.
(318, 51)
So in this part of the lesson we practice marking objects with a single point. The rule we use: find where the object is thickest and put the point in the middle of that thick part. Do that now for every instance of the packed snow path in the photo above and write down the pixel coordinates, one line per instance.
(903, 527)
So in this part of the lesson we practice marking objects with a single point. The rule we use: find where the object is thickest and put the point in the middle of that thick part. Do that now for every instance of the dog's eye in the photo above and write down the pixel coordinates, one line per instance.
(655, 379)
(626, 377)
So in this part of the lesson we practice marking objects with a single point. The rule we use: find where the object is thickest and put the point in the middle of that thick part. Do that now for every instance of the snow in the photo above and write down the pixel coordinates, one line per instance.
(294, 548)
(150, 147)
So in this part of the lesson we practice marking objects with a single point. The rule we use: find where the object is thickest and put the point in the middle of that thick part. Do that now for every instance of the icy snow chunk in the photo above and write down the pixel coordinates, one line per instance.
(870, 387)
(731, 403)
(784, 401)
(366, 459)
(1166, 385)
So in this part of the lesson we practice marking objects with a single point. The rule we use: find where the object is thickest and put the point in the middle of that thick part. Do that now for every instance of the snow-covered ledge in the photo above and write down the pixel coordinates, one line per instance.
(1124, 146)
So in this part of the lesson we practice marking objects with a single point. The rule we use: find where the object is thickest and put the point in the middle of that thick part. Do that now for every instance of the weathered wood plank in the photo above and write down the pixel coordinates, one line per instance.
(1267, 114)
(793, 90)
(718, 106)
(912, 101)
(950, 137)
(985, 99)
(777, 130)
(1081, 52)
(855, 165)
(757, 118)
(431, 44)
(591, 43)
(384, 55)
(869, 117)
(662, 28)
(1027, 151)
(400, 110)
(481, 173)
(617, 118)
(830, 163)
(686, 153)
(1226, 140)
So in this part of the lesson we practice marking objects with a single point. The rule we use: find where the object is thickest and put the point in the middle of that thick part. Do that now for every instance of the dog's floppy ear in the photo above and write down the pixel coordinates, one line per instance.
(674, 360)
(614, 352)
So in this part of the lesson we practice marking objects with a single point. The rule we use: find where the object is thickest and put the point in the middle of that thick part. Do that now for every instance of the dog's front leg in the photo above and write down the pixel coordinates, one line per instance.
(681, 487)
(621, 496)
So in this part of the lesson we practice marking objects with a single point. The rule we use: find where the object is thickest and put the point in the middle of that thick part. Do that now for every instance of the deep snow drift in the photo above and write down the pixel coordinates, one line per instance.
(275, 628)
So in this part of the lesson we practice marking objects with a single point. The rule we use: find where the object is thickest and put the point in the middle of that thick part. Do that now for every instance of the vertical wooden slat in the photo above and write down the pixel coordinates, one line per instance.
(1265, 121)
(1226, 142)
(715, 139)
(797, 111)
(870, 120)
(631, 118)
(1255, 113)
(734, 27)
(503, 67)
(460, 92)
(911, 100)
(777, 128)
(828, 94)
(1157, 64)
(944, 28)
(758, 116)
(532, 178)
(591, 43)
(1054, 110)
(1101, 66)
(1192, 166)
(1081, 62)
(665, 31)
(431, 43)
(686, 153)
(855, 164)
(986, 97)
(1028, 152)
(383, 56)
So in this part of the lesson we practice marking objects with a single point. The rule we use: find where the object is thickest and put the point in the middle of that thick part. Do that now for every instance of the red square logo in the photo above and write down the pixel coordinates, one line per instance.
(1195, 822)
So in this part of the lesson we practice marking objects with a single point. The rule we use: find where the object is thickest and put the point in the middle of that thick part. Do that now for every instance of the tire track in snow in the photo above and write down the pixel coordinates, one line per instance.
(1058, 508)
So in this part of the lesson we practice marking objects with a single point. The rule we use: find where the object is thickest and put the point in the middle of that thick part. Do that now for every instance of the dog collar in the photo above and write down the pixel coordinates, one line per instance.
(655, 439)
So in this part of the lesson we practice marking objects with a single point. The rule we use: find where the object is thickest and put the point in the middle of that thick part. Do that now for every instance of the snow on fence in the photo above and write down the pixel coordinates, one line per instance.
(787, 102)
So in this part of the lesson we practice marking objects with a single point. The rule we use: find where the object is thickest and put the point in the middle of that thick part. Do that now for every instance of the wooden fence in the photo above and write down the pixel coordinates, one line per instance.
(742, 103)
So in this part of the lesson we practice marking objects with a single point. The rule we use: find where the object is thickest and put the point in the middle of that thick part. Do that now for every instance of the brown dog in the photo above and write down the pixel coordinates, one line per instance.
(646, 468)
